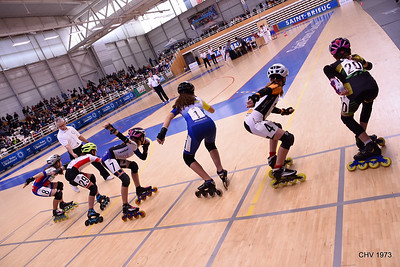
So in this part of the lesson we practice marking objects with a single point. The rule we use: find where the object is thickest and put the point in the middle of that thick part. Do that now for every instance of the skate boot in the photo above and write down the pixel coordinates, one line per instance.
(379, 141)
(128, 212)
(272, 163)
(93, 217)
(103, 201)
(369, 156)
(224, 177)
(284, 175)
(68, 206)
(59, 215)
(208, 187)
(143, 192)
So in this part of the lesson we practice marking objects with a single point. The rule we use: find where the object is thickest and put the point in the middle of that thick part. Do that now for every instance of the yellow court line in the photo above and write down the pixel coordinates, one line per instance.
(256, 197)
(117, 199)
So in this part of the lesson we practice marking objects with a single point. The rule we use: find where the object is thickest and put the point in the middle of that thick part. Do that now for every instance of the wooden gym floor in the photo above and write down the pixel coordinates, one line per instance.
(334, 218)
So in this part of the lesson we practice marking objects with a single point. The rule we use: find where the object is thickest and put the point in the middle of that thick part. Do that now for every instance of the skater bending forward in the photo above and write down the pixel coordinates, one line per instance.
(116, 158)
(43, 186)
(200, 126)
(76, 177)
(350, 78)
(262, 104)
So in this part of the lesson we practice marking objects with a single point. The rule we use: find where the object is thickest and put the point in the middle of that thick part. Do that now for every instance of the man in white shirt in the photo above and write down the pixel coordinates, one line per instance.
(72, 140)
(205, 59)
(155, 83)
(212, 54)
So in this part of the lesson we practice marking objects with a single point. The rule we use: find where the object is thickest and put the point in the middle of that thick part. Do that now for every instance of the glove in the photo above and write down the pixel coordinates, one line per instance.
(337, 85)
(29, 180)
(162, 133)
(111, 128)
(287, 111)
(254, 98)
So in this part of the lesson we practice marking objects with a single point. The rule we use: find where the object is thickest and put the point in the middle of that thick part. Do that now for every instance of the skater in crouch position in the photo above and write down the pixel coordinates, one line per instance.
(116, 158)
(75, 176)
(262, 104)
(350, 78)
(43, 186)
(200, 126)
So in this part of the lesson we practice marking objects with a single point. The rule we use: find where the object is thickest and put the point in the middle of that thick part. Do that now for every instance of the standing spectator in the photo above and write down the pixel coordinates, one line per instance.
(151, 61)
(212, 54)
(72, 140)
(205, 59)
(155, 83)
(227, 48)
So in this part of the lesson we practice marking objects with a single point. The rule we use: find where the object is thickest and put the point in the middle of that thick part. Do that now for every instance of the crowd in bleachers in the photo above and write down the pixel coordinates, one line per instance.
(38, 119)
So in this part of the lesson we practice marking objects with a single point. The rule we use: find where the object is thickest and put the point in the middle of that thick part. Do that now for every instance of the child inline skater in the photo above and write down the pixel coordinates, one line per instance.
(87, 180)
(356, 87)
(262, 104)
(116, 158)
(200, 126)
(43, 186)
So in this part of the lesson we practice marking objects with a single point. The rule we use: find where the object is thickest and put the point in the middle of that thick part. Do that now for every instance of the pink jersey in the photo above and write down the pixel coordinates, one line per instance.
(82, 161)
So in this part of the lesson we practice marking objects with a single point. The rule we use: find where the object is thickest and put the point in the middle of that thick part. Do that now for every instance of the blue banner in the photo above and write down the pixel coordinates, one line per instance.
(308, 14)
(46, 141)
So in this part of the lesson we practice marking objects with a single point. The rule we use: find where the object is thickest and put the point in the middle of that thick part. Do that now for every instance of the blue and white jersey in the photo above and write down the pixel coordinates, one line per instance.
(194, 114)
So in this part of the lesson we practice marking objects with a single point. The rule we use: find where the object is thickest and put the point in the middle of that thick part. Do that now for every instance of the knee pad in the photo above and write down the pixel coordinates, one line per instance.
(60, 185)
(125, 179)
(189, 159)
(210, 146)
(92, 178)
(366, 111)
(278, 124)
(287, 140)
(58, 195)
(133, 166)
(93, 189)
(352, 125)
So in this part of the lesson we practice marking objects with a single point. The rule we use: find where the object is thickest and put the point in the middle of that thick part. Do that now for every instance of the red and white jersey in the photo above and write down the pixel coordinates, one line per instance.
(82, 161)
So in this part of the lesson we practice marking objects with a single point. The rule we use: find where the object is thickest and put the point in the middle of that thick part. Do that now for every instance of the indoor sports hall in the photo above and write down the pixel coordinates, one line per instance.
(335, 217)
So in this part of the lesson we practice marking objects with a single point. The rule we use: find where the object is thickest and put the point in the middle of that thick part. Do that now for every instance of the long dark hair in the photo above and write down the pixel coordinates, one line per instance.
(184, 100)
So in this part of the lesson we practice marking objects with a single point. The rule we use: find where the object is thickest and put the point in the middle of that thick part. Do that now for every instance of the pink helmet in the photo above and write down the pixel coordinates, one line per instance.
(137, 134)
(339, 45)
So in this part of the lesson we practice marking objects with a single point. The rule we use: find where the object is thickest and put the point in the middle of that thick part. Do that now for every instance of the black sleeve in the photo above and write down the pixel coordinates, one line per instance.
(330, 71)
(369, 66)
(123, 137)
(276, 110)
(265, 91)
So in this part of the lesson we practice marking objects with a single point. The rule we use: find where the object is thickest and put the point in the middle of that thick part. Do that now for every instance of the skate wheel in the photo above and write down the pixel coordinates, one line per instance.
(273, 185)
(86, 223)
(197, 193)
(387, 162)
(363, 165)
(204, 194)
(351, 167)
(55, 220)
(142, 213)
(123, 218)
(373, 164)
(303, 177)
(101, 207)
(137, 201)
(211, 194)
(284, 184)
(143, 197)
(270, 174)
(155, 189)
(91, 222)
(381, 141)
(219, 192)
(289, 161)
(100, 219)
(293, 182)
(130, 218)
(149, 193)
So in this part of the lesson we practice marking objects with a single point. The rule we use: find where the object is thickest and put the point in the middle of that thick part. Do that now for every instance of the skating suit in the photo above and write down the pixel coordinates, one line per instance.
(255, 120)
(353, 73)
(199, 125)
(43, 186)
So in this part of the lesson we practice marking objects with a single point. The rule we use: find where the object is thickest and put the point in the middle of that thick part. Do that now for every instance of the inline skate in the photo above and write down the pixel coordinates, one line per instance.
(224, 177)
(370, 156)
(272, 162)
(284, 176)
(378, 140)
(103, 201)
(129, 212)
(93, 217)
(208, 187)
(59, 215)
(68, 206)
(143, 192)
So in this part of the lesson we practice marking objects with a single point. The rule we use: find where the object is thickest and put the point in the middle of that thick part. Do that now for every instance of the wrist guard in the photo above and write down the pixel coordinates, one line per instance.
(254, 97)
(29, 180)
(287, 111)
(111, 128)
(162, 133)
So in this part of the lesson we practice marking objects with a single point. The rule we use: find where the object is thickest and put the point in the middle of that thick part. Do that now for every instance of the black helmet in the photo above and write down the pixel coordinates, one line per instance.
(186, 88)
(339, 45)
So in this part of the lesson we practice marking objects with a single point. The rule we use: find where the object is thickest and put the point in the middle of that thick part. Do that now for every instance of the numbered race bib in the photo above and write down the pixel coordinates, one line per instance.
(351, 67)
(196, 113)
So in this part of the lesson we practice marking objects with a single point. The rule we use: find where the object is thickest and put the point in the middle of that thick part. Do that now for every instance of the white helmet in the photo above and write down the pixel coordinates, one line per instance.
(53, 159)
(278, 69)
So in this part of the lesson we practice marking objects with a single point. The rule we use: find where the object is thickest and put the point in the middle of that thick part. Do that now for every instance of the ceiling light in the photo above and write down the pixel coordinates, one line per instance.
(21, 43)
(97, 28)
(51, 37)
(74, 32)
(116, 25)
